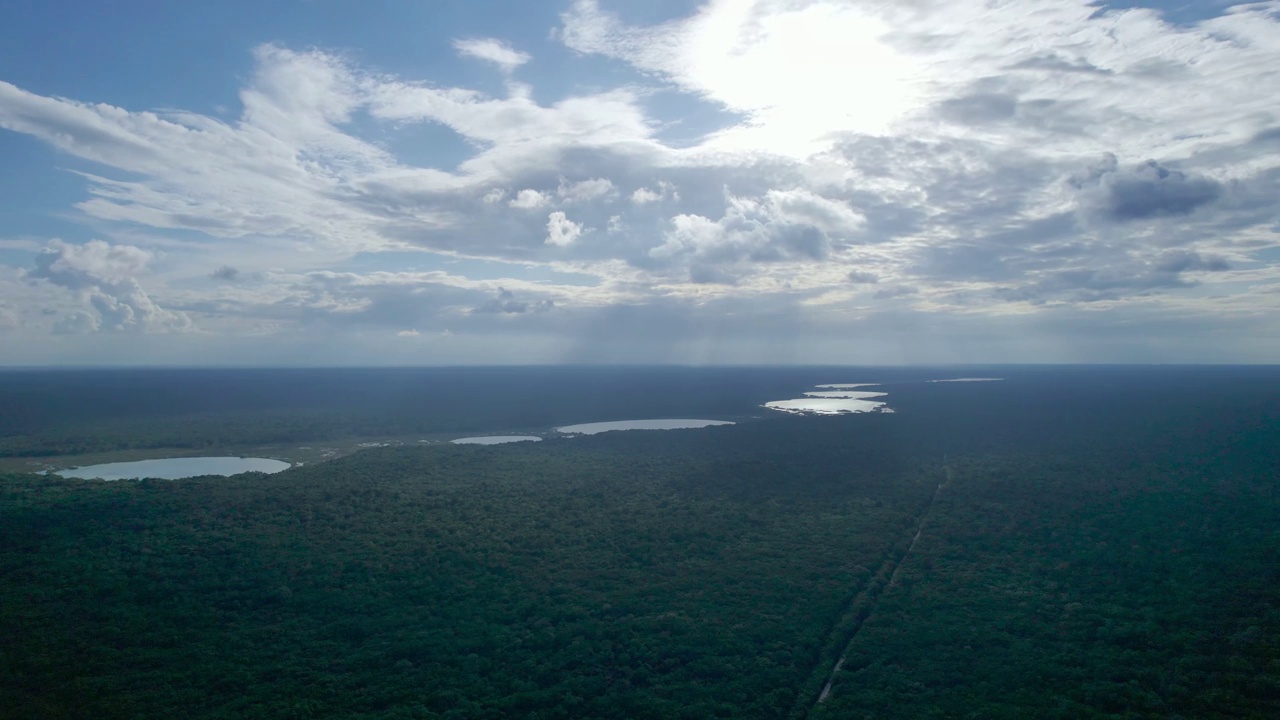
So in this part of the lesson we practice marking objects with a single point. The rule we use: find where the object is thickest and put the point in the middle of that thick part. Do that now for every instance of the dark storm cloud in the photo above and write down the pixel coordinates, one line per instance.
(1155, 190)
(1144, 191)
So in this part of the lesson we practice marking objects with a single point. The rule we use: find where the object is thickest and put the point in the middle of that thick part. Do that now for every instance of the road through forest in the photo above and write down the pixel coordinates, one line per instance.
(871, 595)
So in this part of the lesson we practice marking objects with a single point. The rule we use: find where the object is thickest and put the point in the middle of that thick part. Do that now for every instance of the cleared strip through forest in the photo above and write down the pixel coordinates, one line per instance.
(862, 607)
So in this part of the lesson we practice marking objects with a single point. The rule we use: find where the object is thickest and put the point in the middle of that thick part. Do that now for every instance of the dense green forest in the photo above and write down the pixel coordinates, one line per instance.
(584, 577)
(1032, 548)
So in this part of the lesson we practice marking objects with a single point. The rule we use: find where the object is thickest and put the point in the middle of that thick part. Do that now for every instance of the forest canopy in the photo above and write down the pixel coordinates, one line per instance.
(1053, 545)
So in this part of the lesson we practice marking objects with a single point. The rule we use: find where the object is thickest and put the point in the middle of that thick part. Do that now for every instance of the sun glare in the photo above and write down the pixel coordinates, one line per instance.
(802, 75)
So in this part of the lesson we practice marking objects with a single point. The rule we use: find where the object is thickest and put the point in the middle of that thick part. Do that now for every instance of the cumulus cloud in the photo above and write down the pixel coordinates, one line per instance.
(561, 231)
(783, 225)
(90, 264)
(77, 322)
(529, 199)
(226, 272)
(491, 50)
(1143, 191)
(645, 195)
(104, 276)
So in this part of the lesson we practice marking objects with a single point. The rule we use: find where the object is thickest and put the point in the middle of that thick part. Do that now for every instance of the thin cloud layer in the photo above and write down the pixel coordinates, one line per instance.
(491, 50)
(875, 169)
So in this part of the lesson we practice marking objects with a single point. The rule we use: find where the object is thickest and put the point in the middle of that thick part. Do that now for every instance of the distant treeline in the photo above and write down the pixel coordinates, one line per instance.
(69, 412)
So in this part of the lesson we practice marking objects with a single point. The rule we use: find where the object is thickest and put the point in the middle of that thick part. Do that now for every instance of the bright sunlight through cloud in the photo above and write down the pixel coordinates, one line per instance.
(849, 181)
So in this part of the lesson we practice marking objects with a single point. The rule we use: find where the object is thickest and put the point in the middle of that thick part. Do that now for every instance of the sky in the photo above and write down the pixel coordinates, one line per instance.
(419, 182)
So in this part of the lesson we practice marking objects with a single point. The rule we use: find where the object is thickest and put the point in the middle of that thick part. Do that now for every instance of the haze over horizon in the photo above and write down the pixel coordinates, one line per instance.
(593, 181)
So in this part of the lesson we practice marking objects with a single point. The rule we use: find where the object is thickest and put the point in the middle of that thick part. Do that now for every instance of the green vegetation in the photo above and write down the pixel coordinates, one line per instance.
(579, 578)
(1063, 588)
(1117, 557)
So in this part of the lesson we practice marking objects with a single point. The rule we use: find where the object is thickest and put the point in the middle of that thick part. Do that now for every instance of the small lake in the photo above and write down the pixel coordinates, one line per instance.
(668, 424)
(175, 468)
(495, 439)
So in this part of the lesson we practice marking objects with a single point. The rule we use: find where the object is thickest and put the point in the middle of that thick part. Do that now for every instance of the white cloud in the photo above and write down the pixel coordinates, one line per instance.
(955, 159)
(664, 191)
(561, 231)
(408, 333)
(104, 276)
(491, 50)
(586, 190)
(644, 196)
(529, 199)
(95, 261)
(802, 71)
(77, 322)
(522, 135)
(799, 70)
(782, 226)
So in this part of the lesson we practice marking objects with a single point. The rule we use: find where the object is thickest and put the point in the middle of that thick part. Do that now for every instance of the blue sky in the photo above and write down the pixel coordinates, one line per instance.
(827, 181)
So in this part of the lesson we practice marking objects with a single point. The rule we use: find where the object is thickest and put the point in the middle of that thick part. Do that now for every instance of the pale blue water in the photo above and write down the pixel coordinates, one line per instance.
(175, 468)
(495, 439)
(833, 399)
(599, 427)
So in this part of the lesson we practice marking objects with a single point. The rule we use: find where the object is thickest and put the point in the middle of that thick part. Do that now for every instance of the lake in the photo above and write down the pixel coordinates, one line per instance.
(665, 424)
(833, 399)
(495, 439)
(175, 468)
